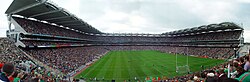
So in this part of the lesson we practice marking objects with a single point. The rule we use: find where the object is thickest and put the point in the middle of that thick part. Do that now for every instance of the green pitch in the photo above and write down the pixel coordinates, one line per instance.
(124, 65)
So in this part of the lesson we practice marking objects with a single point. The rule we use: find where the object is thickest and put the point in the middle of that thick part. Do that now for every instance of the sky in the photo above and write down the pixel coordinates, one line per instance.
(150, 16)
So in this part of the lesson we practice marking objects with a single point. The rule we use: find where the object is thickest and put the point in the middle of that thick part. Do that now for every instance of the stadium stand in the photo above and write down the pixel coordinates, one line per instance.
(67, 59)
(36, 27)
(71, 48)
(10, 53)
(25, 69)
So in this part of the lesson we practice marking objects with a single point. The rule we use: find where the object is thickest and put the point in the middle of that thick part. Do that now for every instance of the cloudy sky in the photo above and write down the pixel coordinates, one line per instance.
(151, 16)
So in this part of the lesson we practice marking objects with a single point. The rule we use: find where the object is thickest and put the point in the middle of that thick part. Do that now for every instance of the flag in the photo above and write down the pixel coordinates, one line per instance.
(158, 78)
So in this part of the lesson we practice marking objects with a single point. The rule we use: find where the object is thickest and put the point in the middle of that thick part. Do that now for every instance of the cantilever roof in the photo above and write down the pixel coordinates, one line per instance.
(46, 10)
(206, 28)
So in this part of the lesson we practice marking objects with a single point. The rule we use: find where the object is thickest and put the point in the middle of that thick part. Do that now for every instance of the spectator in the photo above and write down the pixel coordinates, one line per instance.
(19, 76)
(222, 75)
(71, 58)
(244, 77)
(10, 53)
(211, 77)
(240, 71)
(247, 64)
(229, 80)
(13, 76)
(7, 70)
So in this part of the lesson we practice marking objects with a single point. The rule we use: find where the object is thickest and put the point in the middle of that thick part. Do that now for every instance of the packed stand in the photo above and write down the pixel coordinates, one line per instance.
(66, 59)
(71, 58)
(41, 28)
(10, 53)
(17, 67)
(231, 35)
(44, 43)
(36, 27)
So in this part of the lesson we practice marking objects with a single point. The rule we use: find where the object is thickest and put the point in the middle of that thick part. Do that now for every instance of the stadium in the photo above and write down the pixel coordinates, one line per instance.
(47, 42)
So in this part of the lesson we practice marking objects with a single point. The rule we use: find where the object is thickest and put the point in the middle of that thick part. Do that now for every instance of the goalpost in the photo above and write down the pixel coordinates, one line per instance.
(182, 68)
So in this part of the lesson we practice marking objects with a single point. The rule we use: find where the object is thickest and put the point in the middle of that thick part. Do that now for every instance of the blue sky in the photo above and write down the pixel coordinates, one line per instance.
(151, 16)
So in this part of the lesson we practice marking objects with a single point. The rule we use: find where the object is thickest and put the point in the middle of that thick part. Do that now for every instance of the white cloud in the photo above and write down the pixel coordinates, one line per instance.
(72, 6)
(150, 16)
(3, 19)
(115, 21)
(247, 35)
(210, 11)
(243, 1)
(114, 15)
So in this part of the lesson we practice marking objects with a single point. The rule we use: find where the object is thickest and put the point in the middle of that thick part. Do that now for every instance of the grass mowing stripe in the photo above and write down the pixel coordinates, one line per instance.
(95, 68)
(124, 65)
(144, 65)
(136, 66)
(132, 65)
(117, 70)
(126, 72)
(110, 67)
(139, 68)
(102, 68)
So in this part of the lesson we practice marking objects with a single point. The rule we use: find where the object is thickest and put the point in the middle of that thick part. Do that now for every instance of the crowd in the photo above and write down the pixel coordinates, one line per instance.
(69, 59)
(42, 28)
(66, 59)
(239, 71)
(17, 67)
(230, 35)
(45, 43)
(9, 52)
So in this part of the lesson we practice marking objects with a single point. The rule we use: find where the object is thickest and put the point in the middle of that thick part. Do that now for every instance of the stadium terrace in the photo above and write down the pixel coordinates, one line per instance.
(56, 41)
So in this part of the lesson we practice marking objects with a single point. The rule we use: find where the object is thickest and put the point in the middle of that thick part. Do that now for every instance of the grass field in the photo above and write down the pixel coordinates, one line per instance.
(124, 65)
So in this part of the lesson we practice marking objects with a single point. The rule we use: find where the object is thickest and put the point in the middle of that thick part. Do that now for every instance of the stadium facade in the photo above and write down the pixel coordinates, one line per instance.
(40, 27)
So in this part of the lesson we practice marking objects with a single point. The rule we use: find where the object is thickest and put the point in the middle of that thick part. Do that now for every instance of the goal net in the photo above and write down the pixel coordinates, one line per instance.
(182, 69)
(180, 66)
